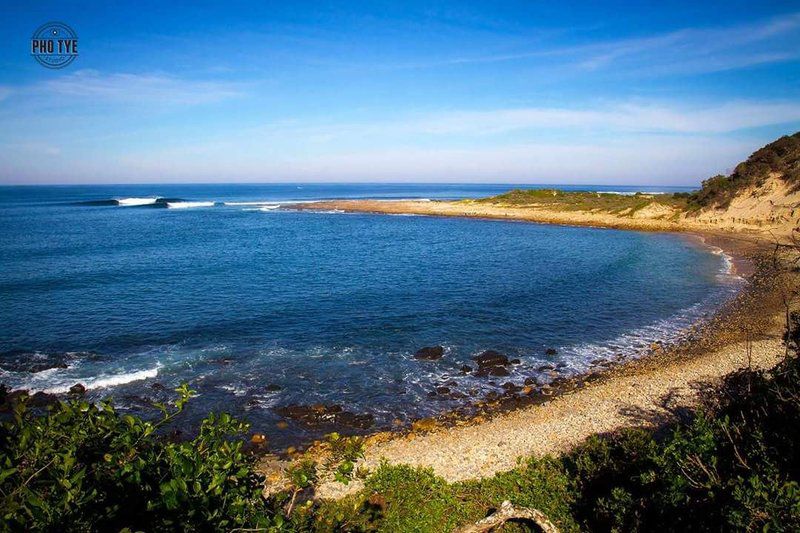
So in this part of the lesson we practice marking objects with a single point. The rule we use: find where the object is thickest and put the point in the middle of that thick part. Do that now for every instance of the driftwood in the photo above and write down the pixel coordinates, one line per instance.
(508, 512)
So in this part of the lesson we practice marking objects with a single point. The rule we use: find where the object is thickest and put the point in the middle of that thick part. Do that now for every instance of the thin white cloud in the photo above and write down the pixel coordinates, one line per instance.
(686, 50)
(146, 88)
(637, 160)
(632, 117)
(602, 119)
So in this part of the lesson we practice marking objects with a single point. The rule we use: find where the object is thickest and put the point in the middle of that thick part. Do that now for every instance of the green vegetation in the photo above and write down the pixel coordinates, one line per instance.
(781, 157)
(622, 204)
(84, 467)
(732, 465)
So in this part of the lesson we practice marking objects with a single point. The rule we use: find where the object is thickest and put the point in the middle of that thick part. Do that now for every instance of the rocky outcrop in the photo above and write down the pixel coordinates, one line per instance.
(491, 363)
(321, 414)
(430, 353)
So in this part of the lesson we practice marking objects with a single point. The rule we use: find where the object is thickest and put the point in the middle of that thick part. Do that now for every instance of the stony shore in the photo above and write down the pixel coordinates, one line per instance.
(645, 392)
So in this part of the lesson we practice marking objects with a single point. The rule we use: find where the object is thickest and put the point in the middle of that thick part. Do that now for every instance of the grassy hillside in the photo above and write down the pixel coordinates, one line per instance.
(623, 204)
(781, 157)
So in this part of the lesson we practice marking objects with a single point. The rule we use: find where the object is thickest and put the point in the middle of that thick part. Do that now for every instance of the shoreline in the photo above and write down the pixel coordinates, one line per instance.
(639, 391)
(473, 208)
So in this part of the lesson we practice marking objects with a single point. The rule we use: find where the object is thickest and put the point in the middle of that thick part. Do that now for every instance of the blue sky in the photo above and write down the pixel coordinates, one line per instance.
(535, 92)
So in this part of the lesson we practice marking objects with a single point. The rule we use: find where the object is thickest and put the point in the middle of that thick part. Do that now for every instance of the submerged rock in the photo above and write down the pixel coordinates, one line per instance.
(320, 414)
(33, 362)
(42, 399)
(551, 351)
(489, 359)
(430, 353)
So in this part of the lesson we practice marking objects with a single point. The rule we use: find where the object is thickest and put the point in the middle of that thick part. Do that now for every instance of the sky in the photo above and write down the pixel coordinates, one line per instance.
(512, 92)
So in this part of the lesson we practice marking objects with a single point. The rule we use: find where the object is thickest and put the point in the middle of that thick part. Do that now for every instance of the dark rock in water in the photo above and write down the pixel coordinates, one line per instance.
(490, 358)
(78, 388)
(498, 371)
(430, 353)
(442, 390)
(158, 386)
(139, 401)
(561, 365)
(466, 369)
(33, 362)
(320, 414)
(550, 351)
(222, 361)
(39, 367)
(510, 387)
(530, 381)
(273, 387)
(545, 368)
(310, 414)
(42, 399)
(515, 362)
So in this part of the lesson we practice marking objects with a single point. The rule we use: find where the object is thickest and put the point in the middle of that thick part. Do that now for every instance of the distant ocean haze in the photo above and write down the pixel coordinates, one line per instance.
(258, 306)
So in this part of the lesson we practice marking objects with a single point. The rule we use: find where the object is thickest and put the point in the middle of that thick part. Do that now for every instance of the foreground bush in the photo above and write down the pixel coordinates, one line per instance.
(732, 466)
(86, 467)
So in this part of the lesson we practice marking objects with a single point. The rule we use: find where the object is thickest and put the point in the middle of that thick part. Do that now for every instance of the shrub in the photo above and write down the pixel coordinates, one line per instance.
(86, 467)
(780, 157)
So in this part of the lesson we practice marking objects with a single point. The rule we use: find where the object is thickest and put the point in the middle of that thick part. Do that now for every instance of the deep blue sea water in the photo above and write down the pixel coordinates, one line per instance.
(238, 292)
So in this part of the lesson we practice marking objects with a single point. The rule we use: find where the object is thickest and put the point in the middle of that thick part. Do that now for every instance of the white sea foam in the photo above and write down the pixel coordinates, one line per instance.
(268, 207)
(129, 202)
(187, 205)
(59, 380)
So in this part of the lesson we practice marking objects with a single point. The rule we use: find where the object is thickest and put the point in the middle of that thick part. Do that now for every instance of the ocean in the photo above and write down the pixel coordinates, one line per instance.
(133, 290)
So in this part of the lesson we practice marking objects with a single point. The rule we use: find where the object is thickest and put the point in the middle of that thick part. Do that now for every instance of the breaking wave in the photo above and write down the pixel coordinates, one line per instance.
(188, 205)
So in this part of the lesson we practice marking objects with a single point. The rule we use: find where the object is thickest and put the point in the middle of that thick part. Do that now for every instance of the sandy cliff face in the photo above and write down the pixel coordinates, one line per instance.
(770, 207)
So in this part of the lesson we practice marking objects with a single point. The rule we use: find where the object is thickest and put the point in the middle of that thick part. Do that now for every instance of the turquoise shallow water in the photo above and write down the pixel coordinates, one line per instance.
(234, 293)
